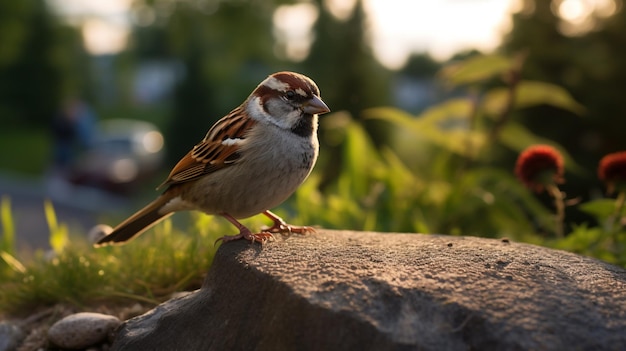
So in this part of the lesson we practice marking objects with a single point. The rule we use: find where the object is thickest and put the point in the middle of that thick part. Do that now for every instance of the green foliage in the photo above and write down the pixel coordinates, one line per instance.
(33, 142)
(438, 175)
(7, 240)
(606, 241)
(444, 125)
(532, 93)
(476, 69)
(501, 105)
(59, 235)
(589, 65)
(420, 186)
(601, 209)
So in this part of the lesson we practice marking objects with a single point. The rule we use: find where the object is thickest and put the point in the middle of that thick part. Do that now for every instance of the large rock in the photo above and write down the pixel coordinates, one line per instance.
(369, 291)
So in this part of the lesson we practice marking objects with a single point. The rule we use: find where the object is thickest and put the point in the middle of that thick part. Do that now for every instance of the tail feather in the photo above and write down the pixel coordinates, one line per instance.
(136, 224)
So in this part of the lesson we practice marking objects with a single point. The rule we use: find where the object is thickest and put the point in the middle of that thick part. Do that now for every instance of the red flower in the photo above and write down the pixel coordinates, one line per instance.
(539, 166)
(612, 170)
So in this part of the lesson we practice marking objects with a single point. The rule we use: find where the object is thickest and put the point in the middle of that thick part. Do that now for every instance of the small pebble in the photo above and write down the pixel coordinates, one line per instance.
(81, 330)
(98, 232)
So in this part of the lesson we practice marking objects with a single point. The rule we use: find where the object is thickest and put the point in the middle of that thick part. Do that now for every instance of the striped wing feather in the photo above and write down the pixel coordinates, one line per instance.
(212, 153)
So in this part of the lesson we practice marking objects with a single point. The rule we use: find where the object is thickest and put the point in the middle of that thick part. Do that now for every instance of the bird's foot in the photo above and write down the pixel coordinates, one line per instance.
(244, 233)
(280, 226)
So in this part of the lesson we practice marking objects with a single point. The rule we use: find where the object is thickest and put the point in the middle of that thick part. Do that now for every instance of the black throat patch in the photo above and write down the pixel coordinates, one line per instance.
(305, 126)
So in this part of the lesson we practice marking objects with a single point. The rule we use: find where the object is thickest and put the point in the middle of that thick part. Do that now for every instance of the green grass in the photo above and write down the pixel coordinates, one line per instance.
(148, 270)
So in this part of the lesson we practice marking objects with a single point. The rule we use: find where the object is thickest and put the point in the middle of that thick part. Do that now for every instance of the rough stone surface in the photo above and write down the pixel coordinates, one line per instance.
(368, 291)
(10, 336)
(81, 330)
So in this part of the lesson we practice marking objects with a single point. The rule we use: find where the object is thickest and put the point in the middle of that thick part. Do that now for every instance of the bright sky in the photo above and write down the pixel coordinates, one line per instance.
(399, 27)
(441, 27)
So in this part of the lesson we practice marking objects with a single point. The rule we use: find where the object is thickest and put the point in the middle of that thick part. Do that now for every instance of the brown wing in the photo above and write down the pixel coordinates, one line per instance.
(218, 149)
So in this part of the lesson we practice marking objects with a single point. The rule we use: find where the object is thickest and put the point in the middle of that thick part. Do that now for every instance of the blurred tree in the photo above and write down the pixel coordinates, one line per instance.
(42, 61)
(598, 79)
(74, 63)
(421, 66)
(194, 100)
(226, 48)
(342, 62)
(30, 77)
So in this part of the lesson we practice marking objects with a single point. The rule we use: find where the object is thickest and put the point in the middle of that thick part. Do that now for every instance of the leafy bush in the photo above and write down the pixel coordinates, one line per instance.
(438, 175)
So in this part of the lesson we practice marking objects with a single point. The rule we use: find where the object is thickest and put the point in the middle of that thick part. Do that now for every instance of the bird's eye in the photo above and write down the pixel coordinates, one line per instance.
(290, 94)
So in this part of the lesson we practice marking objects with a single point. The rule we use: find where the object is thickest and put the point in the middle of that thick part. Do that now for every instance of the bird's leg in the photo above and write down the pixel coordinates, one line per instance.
(244, 232)
(281, 227)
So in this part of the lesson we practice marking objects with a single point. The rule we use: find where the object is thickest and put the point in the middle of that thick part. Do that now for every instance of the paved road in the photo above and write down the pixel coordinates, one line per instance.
(79, 208)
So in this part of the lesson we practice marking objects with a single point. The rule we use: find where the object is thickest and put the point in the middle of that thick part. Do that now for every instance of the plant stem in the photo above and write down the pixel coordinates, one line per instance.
(619, 208)
(512, 79)
(472, 154)
(559, 205)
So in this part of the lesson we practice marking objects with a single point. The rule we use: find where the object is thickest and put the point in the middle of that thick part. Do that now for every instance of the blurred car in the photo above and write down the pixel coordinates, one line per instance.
(124, 152)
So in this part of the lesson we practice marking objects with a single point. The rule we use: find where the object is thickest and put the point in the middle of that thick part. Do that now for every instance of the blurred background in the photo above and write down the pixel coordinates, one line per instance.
(98, 99)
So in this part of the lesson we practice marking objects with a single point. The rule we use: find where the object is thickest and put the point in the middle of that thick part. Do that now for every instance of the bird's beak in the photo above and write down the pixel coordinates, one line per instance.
(315, 105)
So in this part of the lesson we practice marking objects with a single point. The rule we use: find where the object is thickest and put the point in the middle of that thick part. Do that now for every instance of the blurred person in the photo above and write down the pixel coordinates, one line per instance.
(73, 131)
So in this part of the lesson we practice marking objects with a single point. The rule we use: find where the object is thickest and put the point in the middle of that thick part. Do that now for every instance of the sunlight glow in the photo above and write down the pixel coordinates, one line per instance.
(575, 11)
(580, 16)
(105, 24)
(102, 37)
(340, 9)
(293, 25)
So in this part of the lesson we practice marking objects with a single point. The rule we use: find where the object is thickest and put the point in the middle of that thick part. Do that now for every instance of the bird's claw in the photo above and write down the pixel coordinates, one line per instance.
(261, 237)
(287, 229)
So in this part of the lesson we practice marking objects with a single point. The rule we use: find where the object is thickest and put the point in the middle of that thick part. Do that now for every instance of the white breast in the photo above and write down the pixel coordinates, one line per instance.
(273, 164)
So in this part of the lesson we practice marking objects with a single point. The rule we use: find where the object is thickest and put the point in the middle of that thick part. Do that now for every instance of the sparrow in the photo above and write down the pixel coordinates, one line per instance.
(250, 161)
